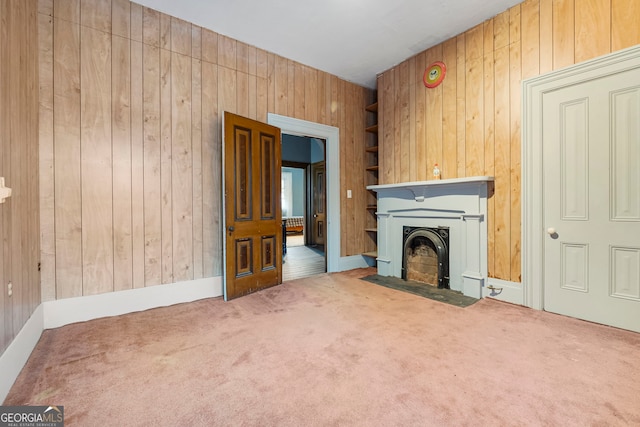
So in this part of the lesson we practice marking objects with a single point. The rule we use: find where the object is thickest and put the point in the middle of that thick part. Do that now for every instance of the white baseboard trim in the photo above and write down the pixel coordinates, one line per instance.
(16, 355)
(72, 310)
(352, 262)
(506, 291)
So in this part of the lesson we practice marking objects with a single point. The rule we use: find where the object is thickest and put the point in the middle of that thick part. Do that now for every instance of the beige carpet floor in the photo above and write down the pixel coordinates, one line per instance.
(334, 350)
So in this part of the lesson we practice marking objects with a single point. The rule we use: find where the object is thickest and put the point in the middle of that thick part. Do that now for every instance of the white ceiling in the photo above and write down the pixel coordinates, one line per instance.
(352, 39)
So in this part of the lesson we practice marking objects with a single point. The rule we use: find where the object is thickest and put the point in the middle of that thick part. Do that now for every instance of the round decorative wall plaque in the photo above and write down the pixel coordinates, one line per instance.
(434, 74)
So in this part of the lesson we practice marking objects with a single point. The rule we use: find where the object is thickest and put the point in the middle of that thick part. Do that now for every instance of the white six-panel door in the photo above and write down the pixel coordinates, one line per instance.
(591, 200)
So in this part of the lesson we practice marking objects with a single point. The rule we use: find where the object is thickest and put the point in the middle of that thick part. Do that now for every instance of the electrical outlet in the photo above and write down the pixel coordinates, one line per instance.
(10, 289)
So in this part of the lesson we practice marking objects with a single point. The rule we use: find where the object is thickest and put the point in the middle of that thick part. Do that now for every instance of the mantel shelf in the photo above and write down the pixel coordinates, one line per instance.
(435, 182)
(421, 189)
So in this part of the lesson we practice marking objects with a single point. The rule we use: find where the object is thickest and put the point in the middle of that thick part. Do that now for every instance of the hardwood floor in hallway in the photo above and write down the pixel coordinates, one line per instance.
(302, 261)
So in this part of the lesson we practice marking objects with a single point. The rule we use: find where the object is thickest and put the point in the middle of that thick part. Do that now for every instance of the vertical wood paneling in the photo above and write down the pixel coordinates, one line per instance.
(625, 31)
(563, 33)
(166, 163)
(151, 27)
(209, 46)
(226, 52)
(412, 119)
(546, 36)
(460, 105)
(299, 87)
(242, 57)
(474, 101)
(96, 14)
(137, 162)
(405, 125)
(211, 242)
(592, 29)
(282, 82)
(45, 7)
(68, 10)
(181, 37)
(433, 119)
(419, 151)
(165, 31)
(514, 161)
(449, 166)
(310, 93)
(502, 184)
(122, 167)
(182, 168)
(96, 162)
(501, 30)
(474, 104)
(530, 16)
(121, 18)
(19, 250)
(196, 150)
(196, 41)
(136, 21)
(46, 157)
(6, 319)
(66, 129)
(291, 87)
(242, 94)
(489, 136)
(271, 83)
(152, 198)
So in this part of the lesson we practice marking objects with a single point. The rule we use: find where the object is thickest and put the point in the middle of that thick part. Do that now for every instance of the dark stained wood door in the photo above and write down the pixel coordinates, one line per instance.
(318, 203)
(253, 213)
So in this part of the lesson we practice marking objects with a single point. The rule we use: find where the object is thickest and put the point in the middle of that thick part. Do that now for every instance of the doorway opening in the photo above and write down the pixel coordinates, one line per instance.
(303, 206)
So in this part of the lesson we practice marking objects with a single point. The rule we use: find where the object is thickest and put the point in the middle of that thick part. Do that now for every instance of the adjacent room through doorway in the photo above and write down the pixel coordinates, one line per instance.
(303, 206)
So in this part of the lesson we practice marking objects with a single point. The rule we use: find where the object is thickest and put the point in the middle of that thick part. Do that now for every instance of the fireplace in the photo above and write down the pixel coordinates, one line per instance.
(456, 208)
(425, 255)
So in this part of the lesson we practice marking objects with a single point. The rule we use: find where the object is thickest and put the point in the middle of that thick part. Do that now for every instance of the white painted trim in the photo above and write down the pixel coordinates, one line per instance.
(352, 262)
(16, 355)
(533, 91)
(331, 135)
(506, 291)
(71, 310)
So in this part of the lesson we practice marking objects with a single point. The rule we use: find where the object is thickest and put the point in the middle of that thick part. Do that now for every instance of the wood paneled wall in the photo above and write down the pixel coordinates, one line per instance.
(470, 124)
(19, 223)
(131, 102)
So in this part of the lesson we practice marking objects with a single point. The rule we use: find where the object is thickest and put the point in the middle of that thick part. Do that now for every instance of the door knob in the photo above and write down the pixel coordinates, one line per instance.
(315, 215)
(551, 231)
(231, 229)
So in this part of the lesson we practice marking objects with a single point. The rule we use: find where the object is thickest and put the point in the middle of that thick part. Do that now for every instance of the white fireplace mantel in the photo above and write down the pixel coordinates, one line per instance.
(460, 204)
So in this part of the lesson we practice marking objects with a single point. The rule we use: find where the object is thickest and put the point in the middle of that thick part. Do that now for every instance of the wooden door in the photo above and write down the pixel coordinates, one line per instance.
(253, 214)
(318, 204)
(591, 163)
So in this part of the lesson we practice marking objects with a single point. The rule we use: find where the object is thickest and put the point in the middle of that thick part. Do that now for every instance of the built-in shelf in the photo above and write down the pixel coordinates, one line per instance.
(372, 108)
(371, 168)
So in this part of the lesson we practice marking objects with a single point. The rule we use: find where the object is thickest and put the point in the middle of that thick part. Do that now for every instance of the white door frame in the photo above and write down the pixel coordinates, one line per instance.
(533, 90)
(331, 135)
